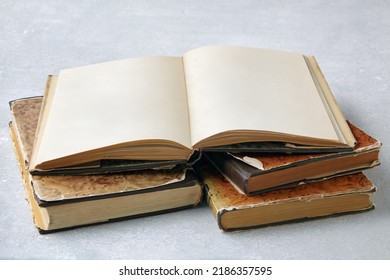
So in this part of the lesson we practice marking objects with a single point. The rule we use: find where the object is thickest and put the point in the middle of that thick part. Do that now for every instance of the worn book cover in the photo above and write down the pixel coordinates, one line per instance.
(236, 211)
(254, 173)
(59, 202)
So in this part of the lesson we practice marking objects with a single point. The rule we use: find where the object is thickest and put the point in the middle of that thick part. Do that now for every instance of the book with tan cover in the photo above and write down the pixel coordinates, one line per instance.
(62, 202)
(236, 211)
(252, 173)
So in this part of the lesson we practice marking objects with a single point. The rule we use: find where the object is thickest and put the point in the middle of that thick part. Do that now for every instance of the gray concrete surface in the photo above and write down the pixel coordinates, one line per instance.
(350, 39)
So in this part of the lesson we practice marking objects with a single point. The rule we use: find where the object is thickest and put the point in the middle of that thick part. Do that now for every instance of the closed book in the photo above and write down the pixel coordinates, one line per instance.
(332, 197)
(254, 173)
(66, 201)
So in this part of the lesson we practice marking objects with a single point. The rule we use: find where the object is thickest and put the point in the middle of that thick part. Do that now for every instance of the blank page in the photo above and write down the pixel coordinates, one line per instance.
(108, 103)
(239, 88)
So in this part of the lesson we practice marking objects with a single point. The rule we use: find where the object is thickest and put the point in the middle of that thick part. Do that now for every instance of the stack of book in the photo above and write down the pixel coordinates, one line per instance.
(128, 138)
(249, 190)
(61, 201)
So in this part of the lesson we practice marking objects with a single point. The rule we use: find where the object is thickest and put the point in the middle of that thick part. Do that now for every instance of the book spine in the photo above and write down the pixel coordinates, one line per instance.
(232, 171)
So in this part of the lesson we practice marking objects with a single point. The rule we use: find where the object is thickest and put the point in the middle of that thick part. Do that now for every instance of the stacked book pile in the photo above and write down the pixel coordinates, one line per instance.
(247, 190)
(63, 199)
(258, 130)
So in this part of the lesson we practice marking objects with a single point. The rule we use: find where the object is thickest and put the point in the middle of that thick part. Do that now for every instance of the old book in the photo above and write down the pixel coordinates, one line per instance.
(60, 202)
(236, 211)
(253, 173)
(165, 108)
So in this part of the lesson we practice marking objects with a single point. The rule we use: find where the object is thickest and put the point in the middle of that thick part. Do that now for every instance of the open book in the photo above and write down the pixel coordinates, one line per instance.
(165, 108)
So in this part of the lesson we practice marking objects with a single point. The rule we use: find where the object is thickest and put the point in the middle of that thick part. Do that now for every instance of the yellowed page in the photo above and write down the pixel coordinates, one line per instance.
(104, 104)
(239, 88)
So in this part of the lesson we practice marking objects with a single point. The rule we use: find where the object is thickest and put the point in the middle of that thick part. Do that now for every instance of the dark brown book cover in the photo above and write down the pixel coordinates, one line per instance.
(236, 211)
(68, 201)
(254, 173)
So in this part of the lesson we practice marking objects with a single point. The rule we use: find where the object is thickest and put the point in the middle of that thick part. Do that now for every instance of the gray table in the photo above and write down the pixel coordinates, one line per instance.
(350, 39)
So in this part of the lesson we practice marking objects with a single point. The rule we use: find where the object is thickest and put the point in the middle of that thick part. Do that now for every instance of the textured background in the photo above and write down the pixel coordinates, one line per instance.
(350, 39)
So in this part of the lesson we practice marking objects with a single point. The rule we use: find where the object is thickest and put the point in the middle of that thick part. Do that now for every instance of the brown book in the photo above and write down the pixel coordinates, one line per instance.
(254, 173)
(169, 108)
(236, 211)
(61, 202)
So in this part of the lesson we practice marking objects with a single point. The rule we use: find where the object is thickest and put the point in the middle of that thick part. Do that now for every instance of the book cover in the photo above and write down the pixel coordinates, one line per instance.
(236, 211)
(254, 173)
(66, 201)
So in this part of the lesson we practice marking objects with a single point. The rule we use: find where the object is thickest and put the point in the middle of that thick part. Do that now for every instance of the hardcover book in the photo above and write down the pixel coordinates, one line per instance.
(61, 202)
(167, 108)
(252, 173)
(236, 211)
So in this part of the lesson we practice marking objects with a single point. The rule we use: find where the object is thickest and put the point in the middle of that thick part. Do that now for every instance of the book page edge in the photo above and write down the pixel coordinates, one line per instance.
(45, 109)
(337, 117)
